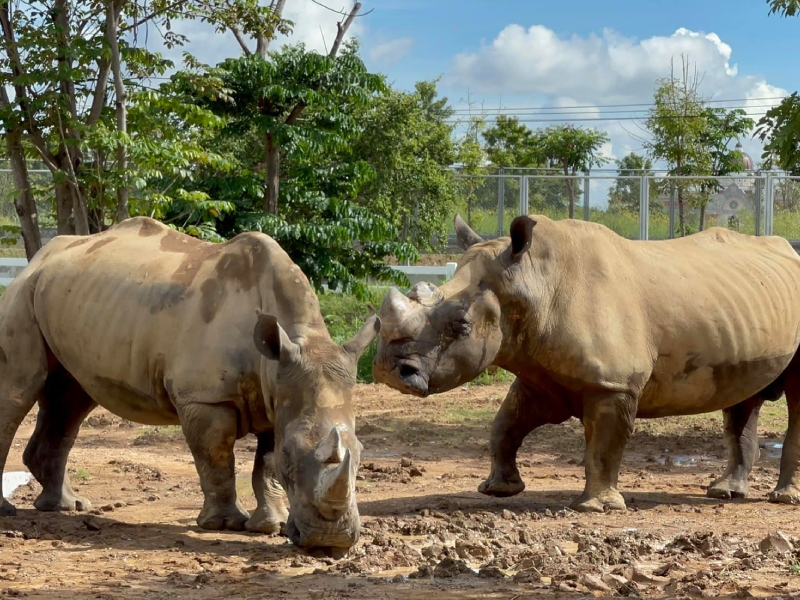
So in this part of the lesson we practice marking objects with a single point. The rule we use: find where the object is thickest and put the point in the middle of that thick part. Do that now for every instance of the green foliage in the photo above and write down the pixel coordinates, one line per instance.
(573, 148)
(510, 143)
(785, 8)
(406, 142)
(334, 238)
(780, 130)
(625, 193)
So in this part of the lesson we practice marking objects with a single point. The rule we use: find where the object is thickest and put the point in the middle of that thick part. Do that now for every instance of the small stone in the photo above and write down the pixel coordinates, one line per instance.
(508, 515)
(107, 508)
(614, 581)
(405, 462)
(92, 524)
(202, 578)
(776, 542)
(398, 579)
(594, 583)
(118, 505)
(450, 567)
(415, 472)
(491, 572)
(423, 572)
(432, 551)
(646, 578)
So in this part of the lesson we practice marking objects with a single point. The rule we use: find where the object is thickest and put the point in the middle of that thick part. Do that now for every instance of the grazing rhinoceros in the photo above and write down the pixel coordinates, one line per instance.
(159, 328)
(607, 330)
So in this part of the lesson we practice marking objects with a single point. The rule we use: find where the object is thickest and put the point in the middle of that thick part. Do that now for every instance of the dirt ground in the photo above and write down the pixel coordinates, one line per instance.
(426, 531)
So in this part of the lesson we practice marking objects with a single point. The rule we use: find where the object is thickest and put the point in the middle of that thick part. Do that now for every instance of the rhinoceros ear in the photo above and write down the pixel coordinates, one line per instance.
(466, 237)
(271, 340)
(365, 335)
(521, 235)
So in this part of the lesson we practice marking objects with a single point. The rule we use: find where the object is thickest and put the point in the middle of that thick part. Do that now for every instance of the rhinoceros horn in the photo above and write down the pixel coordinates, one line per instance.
(335, 487)
(400, 317)
(330, 450)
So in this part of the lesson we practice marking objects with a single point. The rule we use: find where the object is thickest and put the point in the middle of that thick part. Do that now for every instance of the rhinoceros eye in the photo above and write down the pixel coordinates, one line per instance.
(458, 328)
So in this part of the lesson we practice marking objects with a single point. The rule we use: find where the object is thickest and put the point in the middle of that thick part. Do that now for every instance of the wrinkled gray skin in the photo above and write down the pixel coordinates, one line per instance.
(159, 328)
(606, 329)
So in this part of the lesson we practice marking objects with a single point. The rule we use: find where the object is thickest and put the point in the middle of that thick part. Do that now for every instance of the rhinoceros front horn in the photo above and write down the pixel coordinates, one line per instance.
(336, 486)
(330, 450)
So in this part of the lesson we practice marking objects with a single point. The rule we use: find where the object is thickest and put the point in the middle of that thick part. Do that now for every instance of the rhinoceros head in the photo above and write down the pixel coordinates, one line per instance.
(316, 450)
(434, 339)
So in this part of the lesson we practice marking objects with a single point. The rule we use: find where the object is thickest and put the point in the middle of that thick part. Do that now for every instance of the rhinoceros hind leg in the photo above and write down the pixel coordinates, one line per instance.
(210, 431)
(62, 408)
(608, 421)
(271, 514)
(23, 371)
(522, 412)
(741, 437)
(788, 489)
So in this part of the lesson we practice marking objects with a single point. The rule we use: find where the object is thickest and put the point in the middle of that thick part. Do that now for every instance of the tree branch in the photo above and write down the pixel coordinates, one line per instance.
(295, 112)
(342, 29)
(240, 38)
(151, 16)
(263, 41)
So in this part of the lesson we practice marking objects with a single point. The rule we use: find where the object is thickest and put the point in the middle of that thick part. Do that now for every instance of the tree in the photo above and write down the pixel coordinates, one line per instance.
(510, 143)
(573, 149)
(780, 127)
(471, 157)
(625, 192)
(408, 144)
(676, 124)
(719, 128)
(59, 57)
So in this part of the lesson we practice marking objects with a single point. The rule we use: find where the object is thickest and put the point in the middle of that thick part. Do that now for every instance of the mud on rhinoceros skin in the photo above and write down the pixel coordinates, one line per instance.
(160, 328)
(607, 329)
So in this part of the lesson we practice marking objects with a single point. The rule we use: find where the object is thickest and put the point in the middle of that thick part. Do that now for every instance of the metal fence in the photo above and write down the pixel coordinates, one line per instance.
(650, 206)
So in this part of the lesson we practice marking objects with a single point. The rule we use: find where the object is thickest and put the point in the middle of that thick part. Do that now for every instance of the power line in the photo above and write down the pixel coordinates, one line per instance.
(567, 118)
(512, 109)
(640, 110)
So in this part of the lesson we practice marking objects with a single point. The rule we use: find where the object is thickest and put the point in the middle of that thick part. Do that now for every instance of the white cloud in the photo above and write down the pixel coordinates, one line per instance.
(392, 51)
(535, 66)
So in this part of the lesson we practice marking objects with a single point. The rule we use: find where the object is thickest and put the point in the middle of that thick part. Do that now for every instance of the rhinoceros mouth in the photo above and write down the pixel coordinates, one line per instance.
(324, 535)
(412, 378)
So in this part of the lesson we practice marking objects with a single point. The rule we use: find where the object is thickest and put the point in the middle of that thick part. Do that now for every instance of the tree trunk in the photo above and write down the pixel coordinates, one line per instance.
(681, 213)
(570, 192)
(112, 22)
(272, 176)
(702, 217)
(23, 199)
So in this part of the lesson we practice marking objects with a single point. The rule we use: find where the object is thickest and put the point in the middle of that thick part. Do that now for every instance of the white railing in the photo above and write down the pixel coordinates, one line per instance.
(415, 273)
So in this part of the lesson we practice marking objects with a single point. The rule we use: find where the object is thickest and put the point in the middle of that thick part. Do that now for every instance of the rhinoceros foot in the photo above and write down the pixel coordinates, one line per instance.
(7, 509)
(501, 488)
(218, 518)
(788, 494)
(63, 500)
(268, 519)
(607, 500)
(726, 488)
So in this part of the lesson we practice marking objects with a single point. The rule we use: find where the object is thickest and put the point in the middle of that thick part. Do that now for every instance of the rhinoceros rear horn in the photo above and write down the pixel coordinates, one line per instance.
(336, 486)
(365, 335)
(466, 237)
(521, 235)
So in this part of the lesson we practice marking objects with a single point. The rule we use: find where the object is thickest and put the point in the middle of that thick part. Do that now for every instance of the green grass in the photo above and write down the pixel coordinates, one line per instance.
(80, 473)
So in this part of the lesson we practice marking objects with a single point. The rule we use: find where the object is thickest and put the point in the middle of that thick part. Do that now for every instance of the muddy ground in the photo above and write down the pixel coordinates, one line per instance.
(426, 531)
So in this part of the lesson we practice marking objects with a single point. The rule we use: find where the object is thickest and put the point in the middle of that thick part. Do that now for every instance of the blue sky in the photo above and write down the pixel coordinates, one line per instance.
(533, 54)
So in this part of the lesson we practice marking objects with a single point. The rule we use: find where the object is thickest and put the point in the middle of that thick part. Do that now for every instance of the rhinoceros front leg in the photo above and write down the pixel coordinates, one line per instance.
(271, 512)
(210, 431)
(608, 421)
(741, 437)
(788, 489)
(521, 412)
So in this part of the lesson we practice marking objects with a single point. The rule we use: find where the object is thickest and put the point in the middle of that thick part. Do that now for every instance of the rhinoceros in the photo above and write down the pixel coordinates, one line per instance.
(161, 328)
(607, 329)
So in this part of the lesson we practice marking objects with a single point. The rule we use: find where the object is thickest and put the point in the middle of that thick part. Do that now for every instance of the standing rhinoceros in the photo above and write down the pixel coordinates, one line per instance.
(607, 330)
(159, 328)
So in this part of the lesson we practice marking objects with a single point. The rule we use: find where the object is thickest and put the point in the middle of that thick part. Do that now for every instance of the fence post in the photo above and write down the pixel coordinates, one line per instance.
(523, 195)
(586, 182)
(644, 208)
(501, 193)
(758, 204)
(768, 206)
(672, 211)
